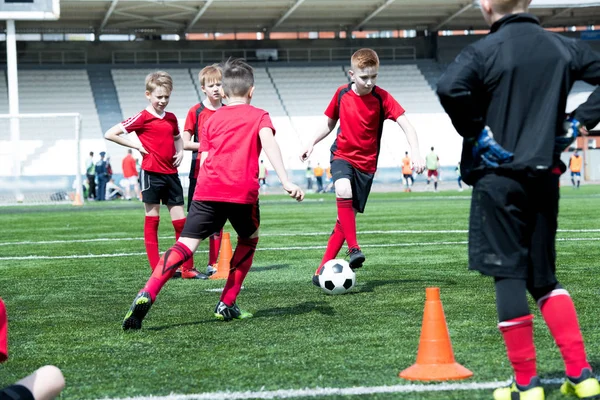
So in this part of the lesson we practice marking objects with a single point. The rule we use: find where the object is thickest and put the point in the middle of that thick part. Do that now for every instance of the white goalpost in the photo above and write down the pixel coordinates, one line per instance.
(41, 160)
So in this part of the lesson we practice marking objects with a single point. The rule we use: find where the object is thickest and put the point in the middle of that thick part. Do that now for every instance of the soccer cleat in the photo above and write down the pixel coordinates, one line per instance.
(177, 273)
(211, 269)
(193, 274)
(227, 313)
(533, 391)
(357, 258)
(138, 310)
(585, 386)
(315, 280)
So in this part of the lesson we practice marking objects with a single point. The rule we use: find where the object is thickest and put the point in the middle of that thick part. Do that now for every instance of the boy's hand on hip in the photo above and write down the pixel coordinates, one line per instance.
(177, 158)
(142, 150)
(294, 191)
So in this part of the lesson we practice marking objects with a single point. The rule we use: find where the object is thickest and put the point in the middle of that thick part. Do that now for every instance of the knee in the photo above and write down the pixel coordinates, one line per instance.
(53, 377)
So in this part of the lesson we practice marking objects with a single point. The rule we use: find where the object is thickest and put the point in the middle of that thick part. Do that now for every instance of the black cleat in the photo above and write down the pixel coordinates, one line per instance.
(138, 310)
(227, 313)
(315, 280)
(357, 258)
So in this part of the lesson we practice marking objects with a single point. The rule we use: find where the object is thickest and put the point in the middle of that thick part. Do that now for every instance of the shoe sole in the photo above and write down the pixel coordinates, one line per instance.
(357, 263)
(244, 315)
(133, 319)
(199, 275)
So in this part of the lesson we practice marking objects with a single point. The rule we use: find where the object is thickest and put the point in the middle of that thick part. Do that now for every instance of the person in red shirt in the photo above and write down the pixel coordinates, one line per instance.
(227, 189)
(130, 175)
(361, 107)
(161, 146)
(45, 383)
(210, 82)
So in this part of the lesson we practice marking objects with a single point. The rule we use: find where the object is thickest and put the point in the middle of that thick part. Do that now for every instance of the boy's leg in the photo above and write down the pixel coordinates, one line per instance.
(45, 383)
(187, 270)
(213, 251)
(334, 245)
(245, 219)
(151, 223)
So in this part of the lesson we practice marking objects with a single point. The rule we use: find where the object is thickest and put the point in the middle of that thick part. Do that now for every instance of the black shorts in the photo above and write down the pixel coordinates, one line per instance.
(191, 191)
(407, 176)
(16, 392)
(161, 188)
(512, 228)
(208, 217)
(361, 182)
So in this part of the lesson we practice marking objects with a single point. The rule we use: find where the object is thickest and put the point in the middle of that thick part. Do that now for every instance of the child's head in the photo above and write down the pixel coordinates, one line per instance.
(238, 78)
(159, 86)
(364, 69)
(493, 10)
(210, 81)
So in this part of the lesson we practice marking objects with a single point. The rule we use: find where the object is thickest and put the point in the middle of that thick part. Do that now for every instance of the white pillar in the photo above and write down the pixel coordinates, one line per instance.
(13, 100)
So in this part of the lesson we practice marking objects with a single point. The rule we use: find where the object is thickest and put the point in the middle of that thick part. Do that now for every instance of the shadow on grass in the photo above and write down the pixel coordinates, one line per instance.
(302, 308)
(192, 323)
(370, 286)
(269, 267)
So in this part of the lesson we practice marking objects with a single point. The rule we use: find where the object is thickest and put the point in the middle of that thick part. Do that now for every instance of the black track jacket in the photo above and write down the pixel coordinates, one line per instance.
(516, 81)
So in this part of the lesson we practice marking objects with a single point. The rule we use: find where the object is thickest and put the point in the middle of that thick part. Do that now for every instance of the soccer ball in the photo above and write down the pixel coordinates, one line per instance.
(336, 277)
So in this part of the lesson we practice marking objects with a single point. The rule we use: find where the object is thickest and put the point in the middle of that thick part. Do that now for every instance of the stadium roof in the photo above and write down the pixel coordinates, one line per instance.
(196, 16)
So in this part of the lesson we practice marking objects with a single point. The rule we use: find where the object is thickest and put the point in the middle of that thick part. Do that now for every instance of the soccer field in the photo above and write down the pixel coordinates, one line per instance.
(68, 276)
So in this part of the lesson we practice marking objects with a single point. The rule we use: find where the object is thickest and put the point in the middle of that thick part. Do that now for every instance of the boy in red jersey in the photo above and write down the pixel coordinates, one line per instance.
(210, 82)
(162, 151)
(361, 108)
(227, 189)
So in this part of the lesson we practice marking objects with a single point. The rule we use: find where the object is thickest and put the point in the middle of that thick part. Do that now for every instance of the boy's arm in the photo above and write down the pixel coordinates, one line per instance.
(589, 64)
(178, 157)
(324, 130)
(188, 143)
(114, 135)
(272, 151)
(413, 142)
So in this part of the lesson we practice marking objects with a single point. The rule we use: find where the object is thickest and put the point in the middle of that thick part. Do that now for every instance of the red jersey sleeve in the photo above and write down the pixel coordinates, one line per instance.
(134, 123)
(392, 108)
(3, 333)
(265, 122)
(333, 109)
(190, 120)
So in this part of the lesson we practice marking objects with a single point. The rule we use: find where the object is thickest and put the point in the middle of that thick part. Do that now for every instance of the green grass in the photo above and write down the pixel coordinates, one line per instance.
(68, 312)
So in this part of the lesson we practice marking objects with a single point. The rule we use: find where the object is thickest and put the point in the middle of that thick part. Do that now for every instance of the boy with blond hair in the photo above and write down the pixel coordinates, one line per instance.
(210, 78)
(161, 147)
(227, 189)
(515, 83)
(361, 108)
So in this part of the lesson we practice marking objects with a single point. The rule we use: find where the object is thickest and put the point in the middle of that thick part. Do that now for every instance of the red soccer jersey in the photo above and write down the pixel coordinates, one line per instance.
(361, 124)
(3, 333)
(194, 122)
(230, 172)
(129, 166)
(156, 134)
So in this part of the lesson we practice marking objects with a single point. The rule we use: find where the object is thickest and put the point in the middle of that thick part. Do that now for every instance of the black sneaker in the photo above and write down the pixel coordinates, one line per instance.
(227, 313)
(138, 310)
(357, 258)
(315, 280)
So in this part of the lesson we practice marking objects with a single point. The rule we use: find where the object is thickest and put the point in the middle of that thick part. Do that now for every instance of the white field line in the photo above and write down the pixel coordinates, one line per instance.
(288, 234)
(416, 244)
(321, 392)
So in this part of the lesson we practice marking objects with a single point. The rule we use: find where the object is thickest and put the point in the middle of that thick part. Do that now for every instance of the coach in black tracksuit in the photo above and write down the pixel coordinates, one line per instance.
(516, 81)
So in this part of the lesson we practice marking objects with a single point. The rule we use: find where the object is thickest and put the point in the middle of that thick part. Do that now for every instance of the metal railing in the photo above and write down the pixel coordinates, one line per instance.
(286, 55)
(50, 57)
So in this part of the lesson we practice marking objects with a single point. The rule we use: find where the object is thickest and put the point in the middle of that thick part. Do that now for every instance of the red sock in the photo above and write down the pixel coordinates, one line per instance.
(518, 337)
(334, 244)
(164, 270)
(178, 225)
(240, 265)
(559, 313)
(3, 333)
(213, 247)
(151, 240)
(347, 220)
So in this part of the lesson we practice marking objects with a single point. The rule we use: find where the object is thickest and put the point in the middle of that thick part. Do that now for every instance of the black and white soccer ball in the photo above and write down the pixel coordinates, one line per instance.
(336, 277)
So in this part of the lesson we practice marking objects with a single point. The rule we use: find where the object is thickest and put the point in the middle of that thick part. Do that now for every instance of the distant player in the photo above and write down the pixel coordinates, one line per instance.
(361, 108)
(210, 82)
(130, 175)
(575, 163)
(227, 189)
(407, 172)
(432, 162)
(162, 151)
(514, 83)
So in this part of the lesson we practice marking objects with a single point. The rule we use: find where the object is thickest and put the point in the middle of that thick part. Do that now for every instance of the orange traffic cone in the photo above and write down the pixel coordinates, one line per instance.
(77, 201)
(435, 358)
(225, 254)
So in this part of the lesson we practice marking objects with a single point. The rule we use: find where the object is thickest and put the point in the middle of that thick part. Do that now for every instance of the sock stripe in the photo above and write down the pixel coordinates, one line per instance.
(555, 292)
(516, 321)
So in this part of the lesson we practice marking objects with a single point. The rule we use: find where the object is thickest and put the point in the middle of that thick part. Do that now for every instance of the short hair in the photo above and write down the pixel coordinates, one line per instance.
(508, 6)
(364, 58)
(91, 153)
(130, 151)
(431, 148)
(159, 78)
(238, 77)
(212, 73)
